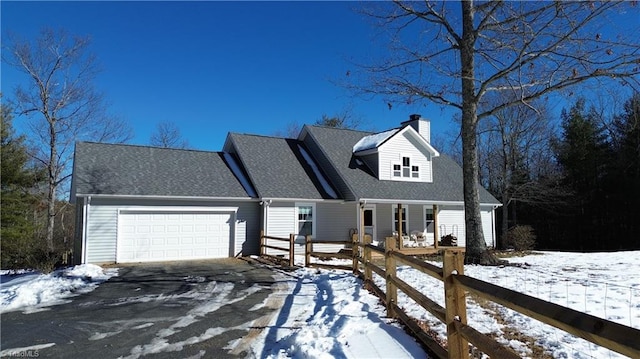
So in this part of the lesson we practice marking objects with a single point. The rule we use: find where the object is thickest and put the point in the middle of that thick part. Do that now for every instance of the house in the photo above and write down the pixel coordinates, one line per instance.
(137, 203)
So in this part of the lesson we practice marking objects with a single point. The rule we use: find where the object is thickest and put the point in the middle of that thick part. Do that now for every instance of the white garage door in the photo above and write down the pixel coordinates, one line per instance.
(162, 236)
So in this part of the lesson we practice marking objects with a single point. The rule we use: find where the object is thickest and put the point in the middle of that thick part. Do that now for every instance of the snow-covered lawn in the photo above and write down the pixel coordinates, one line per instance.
(31, 291)
(606, 285)
(328, 314)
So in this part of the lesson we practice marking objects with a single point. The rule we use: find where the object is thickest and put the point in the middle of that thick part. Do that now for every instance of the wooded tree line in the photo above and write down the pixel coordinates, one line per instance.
(24, 213)
(578, 189)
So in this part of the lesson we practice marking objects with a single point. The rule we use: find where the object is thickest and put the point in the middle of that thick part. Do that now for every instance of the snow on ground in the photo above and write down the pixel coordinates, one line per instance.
(31, 291)
(328, 314)
(606, 285)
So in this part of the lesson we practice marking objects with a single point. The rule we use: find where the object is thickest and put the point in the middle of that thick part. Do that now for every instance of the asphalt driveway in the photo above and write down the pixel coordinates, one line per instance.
(165, 310)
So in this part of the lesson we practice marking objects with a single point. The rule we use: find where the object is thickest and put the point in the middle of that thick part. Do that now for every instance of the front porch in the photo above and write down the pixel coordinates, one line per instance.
(420, 226)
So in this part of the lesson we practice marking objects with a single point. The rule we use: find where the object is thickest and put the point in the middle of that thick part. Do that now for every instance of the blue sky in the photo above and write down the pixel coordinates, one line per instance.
(214, 67)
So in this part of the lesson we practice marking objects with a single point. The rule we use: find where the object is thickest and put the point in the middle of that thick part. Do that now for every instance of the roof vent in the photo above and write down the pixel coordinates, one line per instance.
(414, 117)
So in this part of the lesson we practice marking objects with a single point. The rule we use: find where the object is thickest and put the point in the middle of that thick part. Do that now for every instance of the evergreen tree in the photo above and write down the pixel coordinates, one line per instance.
(623, 182)
(19, 247)
(584, 156)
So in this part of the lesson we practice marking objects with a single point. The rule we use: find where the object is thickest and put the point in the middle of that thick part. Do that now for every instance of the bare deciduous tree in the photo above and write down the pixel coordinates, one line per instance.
(516, 160)
(168, 135)
(61, 105)
(453, 54)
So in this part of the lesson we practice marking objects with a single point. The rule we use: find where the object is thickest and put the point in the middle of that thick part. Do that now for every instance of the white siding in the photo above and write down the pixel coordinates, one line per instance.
(400, 146)
(488, 226)
(102, 230)
(332, 223)
(240, 237)
(102, 226)
(281, 222)
(451, 221)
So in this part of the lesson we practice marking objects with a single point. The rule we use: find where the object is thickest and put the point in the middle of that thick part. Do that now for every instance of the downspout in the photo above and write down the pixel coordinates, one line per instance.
(85, 230)
(493, 228)
(265, 215)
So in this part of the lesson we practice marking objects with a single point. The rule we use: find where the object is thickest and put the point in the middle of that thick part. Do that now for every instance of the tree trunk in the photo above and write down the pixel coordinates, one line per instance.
(476, 249)
(52, 179)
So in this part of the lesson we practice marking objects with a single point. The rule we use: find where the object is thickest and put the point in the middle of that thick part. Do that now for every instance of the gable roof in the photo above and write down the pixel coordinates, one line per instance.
(337, 145)
(371, 143)
(129, 170)
(278, 167)
(375, 140)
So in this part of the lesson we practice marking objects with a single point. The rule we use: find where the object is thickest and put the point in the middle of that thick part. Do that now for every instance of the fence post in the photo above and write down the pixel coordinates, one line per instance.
(455, 304)
(355, 252)
(367, 258)
(390, 270)
(292, 238)
(262, 240)
(307, 251)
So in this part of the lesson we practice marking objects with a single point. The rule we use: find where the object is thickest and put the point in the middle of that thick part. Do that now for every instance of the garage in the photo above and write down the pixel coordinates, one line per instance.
(166, 235)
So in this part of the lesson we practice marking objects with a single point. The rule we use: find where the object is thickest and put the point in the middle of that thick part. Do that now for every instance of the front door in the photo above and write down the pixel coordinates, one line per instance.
(370, 222)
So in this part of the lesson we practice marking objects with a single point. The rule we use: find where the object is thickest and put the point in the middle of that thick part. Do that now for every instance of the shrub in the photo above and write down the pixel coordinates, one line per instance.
(520, 238)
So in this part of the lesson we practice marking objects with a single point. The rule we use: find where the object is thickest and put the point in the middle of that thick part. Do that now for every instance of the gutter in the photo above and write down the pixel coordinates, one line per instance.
(191, 198)
(271, 199)
(414, 201)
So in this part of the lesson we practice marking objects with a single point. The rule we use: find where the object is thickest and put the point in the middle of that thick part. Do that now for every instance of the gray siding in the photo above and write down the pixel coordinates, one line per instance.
(335, 220)
(102, 226)
(416, 223)
(372, 162)
(383, 221)
(77, 238)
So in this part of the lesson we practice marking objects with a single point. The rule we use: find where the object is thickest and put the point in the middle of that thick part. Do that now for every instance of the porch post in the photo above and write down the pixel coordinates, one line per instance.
(361, 229)
(400, 244)
(436, 230)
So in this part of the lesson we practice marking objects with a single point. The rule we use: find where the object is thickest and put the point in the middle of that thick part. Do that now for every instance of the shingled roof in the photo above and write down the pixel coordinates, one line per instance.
(277, 167)
(129, 170)
(337, 146)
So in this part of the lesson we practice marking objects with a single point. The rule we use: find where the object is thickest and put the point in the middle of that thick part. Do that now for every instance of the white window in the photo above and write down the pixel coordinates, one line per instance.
(397, 171)
(305, 219)
(405, 219)
(406, 166)
(406, 169)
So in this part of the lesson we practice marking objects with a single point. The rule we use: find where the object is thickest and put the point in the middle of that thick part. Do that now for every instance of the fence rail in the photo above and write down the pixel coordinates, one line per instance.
(611, 335)
(287, 251)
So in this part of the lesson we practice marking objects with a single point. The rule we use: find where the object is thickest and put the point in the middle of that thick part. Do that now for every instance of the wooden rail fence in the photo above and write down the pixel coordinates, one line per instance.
(611, 335)
(288, 256)
(608, 334)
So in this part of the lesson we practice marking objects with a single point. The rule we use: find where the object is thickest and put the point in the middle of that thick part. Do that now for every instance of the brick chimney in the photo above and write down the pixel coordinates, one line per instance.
(421, 125)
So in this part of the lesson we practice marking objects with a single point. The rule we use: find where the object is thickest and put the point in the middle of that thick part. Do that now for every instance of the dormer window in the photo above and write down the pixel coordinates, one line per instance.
(405, 169)
(415, 171)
